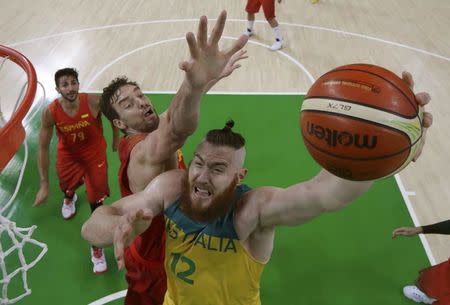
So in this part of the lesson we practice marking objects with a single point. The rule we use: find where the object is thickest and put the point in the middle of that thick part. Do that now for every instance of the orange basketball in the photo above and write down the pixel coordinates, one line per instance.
(361, 122)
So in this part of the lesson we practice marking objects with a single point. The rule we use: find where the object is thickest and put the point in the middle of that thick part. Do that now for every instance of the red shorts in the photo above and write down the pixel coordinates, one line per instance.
(73, 171)
(268, 7)
(435, 282)
(147, 282)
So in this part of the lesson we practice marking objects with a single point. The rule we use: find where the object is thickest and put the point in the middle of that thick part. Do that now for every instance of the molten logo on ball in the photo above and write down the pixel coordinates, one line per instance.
(334, 137)
(361, 122)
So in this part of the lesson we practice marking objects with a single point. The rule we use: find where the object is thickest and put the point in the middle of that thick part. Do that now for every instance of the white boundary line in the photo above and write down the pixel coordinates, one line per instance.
(414, 218)
(110, 298)
(313, 27)
(125, 55)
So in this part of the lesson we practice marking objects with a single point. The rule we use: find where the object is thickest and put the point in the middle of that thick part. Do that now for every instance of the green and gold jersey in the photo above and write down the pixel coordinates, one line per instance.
(206, 263)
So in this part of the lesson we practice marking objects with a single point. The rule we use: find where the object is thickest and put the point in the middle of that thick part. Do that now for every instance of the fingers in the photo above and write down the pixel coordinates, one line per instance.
(123, 232)
(405, 231)
(39, 200)
(120, 263)
(147, 214)
(427, 120)
(407, 77)
(398, 232)
(421, 144)
(239, 44)
(230, 70)
(193, 48)
(238, 56)
(232, 63)
(395, 232)
(36, 201)
(120, 236)
(202, 32)
(185, 66)
(218, 29)
(423, 98)
(118, 252)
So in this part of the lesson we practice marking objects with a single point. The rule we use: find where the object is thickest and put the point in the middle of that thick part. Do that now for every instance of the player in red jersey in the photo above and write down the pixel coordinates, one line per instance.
(145, 257)
(151, 143)
(81, 150)
(433, 284)
(268, 6)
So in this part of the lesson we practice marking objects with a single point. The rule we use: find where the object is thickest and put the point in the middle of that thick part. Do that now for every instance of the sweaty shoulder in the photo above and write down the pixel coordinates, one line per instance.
(255, 197)
(249, 208)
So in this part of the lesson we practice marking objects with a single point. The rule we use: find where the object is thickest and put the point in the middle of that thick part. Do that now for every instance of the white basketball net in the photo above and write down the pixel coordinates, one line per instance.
(10, 234)
(13, 239)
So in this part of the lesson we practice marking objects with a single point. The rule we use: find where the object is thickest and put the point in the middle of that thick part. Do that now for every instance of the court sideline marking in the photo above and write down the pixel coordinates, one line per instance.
(313, 27)
(119, 58)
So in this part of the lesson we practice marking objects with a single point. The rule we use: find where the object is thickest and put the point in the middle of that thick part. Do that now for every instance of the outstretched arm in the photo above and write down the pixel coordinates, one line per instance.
(304, 201)
(206, 66)
(442, 227)
(325, 192)
(99, 229)
(136, 210)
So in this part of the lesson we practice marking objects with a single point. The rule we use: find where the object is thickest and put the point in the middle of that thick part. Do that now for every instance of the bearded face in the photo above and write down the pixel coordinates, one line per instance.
(210, 186)
(201, 203)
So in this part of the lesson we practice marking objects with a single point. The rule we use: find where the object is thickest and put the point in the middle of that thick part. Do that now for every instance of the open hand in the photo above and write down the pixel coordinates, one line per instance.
(207, 61)
(130, 226)
(406, 231)
(422, 98)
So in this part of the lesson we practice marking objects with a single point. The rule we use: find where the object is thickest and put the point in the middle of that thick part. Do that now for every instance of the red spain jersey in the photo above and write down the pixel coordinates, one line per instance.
(435, 282)
(148, 245)
(126, 145)
(144, 258)
(81, 134)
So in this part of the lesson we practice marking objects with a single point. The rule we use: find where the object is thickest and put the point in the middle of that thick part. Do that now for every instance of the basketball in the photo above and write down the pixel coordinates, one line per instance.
(361, 122)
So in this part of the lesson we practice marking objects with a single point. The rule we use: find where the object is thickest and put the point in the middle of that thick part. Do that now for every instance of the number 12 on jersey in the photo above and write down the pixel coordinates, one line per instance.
(178, 259)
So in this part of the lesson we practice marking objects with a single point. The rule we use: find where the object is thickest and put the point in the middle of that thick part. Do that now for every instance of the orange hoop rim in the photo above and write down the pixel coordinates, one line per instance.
(27, 66)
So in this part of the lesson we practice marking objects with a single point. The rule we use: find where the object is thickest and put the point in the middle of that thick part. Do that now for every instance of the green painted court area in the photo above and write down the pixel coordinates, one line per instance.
(346, 257)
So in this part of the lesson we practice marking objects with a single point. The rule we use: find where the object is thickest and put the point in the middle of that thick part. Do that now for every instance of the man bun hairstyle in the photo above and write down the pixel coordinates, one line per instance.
(226, 136)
